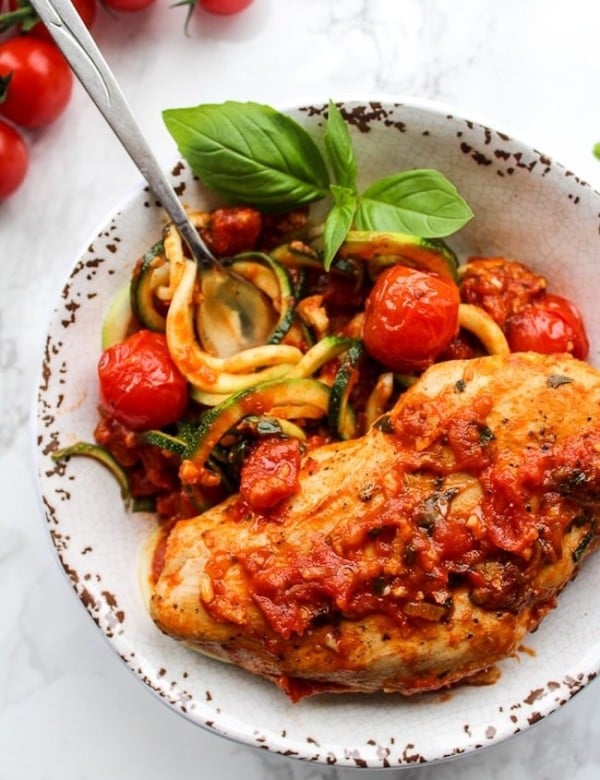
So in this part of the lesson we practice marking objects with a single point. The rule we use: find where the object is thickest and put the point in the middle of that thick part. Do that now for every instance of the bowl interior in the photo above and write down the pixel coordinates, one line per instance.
(526, 207)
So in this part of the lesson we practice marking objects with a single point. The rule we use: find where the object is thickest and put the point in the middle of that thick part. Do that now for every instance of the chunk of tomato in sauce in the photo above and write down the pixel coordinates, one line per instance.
(232, 230)
(270, 474)
(499, 286)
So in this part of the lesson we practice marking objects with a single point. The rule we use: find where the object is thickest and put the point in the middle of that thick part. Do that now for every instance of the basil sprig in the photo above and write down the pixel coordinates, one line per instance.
(250, 153)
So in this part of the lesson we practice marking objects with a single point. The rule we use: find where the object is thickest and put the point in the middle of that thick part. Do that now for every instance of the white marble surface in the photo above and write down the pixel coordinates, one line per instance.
(68, 706)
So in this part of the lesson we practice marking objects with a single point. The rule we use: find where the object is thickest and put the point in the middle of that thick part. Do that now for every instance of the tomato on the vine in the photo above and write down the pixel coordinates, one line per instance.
(139, 383)
(128, 5)
(35, 81)
(549, 324)
(14, 160)
(410, 318)
(23, 14)
(224, 7)
(220, 7)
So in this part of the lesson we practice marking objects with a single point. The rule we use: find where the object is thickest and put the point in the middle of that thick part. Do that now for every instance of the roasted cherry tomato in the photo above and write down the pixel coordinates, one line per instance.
(128, 5)
(410, 318)
(270, 473)
(139, 383)
(549, 324)
(22, 14)
(35, 81)
(224, 7)
(14, 160)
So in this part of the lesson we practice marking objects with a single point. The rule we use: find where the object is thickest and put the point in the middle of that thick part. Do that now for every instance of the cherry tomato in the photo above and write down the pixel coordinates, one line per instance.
(27, 19)
(139, 383)
(548, 325)
(410, 317)
(270, 473)
(224, 7)
(40, 86)
(128, 5)
(14, 159)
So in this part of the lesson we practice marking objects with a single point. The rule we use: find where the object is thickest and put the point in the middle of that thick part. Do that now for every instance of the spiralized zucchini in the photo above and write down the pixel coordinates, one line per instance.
(209, 373)
(303, 378)
(480, 324)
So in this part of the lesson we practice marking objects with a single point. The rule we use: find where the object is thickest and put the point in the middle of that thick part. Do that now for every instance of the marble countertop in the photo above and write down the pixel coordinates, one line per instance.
(68, 707)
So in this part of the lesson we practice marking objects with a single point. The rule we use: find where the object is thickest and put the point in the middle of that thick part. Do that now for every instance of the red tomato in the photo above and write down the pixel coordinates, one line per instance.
(128, 5)
(14, 159)
(40, 86)
(233, 230)
(139, 383)
(410, 318)
(270, 473)
(550, 324)
(224, 7)
(27, 19)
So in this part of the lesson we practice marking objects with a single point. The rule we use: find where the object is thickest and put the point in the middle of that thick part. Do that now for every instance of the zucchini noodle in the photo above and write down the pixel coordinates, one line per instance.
(480, 324)
(204, 371)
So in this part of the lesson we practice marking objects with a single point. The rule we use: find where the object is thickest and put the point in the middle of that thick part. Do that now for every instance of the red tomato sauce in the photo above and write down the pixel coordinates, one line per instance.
(153, 473)
(405, 559)
(270, 474)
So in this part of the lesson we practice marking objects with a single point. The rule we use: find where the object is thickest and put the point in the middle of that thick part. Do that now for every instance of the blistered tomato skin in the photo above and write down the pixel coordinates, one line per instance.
(551, 324)
(139, 383)
(410, 318)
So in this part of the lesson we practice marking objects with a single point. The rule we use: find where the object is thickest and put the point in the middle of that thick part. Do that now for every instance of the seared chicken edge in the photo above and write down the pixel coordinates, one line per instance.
(413, 558)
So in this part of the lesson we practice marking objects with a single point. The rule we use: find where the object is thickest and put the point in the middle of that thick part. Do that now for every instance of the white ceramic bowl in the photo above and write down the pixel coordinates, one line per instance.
(526, 207)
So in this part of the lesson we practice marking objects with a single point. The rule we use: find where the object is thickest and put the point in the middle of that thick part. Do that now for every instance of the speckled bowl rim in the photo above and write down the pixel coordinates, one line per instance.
(381, 731)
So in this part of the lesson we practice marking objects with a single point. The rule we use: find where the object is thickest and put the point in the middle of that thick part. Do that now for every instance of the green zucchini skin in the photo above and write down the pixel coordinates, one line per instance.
(326, 349)
(166, 441)
(292, 390)
(101, 455)
(382, 249)
(118, 318)
(215, 422)
(287, 292)
(299, 255)
(341, 417)
(142, 294)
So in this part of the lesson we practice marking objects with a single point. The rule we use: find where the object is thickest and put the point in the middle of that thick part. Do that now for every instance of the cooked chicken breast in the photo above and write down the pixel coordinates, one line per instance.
(412, 558)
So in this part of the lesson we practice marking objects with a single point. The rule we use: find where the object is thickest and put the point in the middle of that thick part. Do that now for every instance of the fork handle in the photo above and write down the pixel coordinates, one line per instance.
(79, 48)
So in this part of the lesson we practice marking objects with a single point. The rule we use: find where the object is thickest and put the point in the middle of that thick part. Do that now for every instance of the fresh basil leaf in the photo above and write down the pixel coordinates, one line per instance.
(422, 202)
(250, 153)
(339, 148)
(338, 222)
